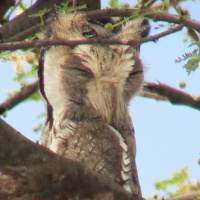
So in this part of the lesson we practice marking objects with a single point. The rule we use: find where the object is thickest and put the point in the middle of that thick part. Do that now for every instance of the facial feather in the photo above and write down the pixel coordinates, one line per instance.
(88, 88)
(111, 70)
(110, 66)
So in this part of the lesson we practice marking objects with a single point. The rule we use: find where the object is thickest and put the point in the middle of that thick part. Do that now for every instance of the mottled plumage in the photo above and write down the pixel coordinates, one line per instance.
(87, 90)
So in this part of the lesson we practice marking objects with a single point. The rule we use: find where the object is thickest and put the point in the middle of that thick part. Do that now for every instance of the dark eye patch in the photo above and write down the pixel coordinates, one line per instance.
(80, 70)
(77, 72)
(136, 72)
(88, 32)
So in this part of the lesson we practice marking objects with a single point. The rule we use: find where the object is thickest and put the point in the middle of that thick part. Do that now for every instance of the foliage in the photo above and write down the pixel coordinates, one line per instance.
(38, 127)
(24, 64)
(40, 13)
(193, 59)
(114, 3)
(65, 7)
(177, 184)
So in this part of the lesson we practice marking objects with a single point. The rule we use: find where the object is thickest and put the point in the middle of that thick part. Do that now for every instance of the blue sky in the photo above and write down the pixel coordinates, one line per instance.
(168, 136)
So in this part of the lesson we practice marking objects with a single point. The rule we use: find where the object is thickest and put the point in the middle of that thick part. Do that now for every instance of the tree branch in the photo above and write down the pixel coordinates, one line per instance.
(20, 96)
(156, 16)
(72, 43)
(190, 196)
(158, 91)
(167, 17)
(162, 91)
(25, 21)
(30, 171)
(154, 38)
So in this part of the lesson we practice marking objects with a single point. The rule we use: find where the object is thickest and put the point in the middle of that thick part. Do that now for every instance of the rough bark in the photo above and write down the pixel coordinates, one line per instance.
(30, 171)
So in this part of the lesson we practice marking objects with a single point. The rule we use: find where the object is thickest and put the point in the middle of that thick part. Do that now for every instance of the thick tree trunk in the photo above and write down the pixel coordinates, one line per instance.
(29, 171)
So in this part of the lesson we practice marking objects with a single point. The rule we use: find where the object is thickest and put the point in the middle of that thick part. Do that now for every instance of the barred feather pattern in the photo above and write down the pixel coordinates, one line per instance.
(87, 90)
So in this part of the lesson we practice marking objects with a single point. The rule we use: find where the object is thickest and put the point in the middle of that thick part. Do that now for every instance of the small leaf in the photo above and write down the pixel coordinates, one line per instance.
(35, 96)
(180, 176)
(40, 14)
(109, 27)
(64, 7)
(192, 64)
(37, 128)
(177, 8)
(114, 3)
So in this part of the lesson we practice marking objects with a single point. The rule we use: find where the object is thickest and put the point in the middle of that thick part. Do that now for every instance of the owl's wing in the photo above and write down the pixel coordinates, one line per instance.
(128, 173)
(97, 147)
(100, 147)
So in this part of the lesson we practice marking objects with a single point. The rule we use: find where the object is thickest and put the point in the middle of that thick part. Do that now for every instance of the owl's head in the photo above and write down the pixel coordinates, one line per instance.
(89, 81)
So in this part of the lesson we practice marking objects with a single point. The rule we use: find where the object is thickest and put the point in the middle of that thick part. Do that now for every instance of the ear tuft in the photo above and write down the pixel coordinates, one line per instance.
(134, 30)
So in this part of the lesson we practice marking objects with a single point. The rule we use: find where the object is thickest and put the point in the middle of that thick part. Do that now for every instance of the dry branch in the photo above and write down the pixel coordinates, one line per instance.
(190, 196)
(158, 91)
(29, 171)
(18, 26)
(25, 21)
(20, 96)
(72, 43)
(154, 38)
(156, 16)
(29, 19)
(162, 91)
(167, 17)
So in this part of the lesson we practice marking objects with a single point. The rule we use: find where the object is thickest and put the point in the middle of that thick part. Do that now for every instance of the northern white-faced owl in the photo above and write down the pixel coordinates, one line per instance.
(87, 89)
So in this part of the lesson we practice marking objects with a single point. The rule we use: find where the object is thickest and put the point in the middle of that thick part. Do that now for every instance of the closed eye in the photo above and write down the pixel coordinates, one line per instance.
(76, 72)
(136, 72)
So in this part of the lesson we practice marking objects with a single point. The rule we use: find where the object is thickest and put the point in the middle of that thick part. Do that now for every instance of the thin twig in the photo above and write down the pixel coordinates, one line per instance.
(72, 43)
(20, 23)
(155, 37)
(167, 17)
(20, 96)
(160, 91)
(156, 16)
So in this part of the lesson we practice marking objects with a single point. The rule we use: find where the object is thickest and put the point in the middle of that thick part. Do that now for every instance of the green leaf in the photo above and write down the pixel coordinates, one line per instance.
(177, 8)
(40, 14)
(163, 184)
(64, 7)
(166, 5)
(180, 176)
(35, 96)
(37, 128)
(176, 179)
(192, 64)
(114, 3)
(109, 27)
(5, 54)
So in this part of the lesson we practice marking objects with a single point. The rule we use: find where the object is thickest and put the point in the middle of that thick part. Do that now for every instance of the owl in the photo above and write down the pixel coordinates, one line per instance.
(87, 89)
